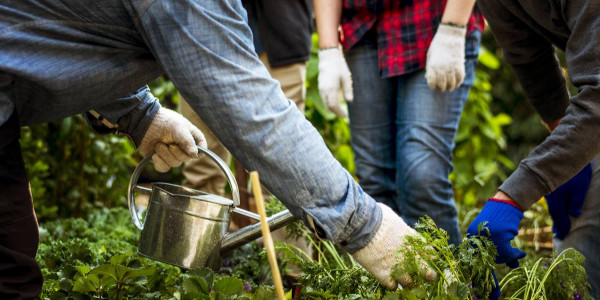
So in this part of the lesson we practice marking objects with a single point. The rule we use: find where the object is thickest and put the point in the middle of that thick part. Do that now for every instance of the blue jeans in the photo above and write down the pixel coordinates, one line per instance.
(402, 133)
(584, 231)
(69, 56)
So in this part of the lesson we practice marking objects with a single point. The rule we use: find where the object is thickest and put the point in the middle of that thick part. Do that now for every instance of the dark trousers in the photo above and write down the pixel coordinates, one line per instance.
(20, 276)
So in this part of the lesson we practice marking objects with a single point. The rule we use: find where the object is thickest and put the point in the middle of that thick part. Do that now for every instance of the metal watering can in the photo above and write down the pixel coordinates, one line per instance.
(189, 228)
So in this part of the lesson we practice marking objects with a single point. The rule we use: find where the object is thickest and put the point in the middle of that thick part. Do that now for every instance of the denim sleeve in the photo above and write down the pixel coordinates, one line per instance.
(205, 47)
(130, 115)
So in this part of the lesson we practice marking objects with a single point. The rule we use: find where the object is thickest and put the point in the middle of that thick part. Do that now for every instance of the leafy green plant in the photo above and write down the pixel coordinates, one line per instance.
(479, 161)
(463, 271)
(117, 278)
(91, 258)
(333, 274)
(72, 169)
(561, 277)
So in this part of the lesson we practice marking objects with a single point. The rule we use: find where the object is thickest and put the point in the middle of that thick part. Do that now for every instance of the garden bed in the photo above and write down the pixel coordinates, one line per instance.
(95, 259)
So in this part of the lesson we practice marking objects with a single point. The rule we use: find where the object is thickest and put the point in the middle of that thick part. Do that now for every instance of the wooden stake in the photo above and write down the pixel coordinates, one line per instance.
(267, 239)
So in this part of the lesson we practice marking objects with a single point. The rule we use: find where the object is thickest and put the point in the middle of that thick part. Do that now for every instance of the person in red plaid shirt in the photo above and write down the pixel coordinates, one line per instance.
(412, 65)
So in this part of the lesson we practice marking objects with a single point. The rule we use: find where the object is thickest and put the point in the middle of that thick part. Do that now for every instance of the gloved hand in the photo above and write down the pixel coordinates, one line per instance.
(568, 199)
(445, 67)
(334, 71)
(380, 255)
(503, 221)
(173, 138)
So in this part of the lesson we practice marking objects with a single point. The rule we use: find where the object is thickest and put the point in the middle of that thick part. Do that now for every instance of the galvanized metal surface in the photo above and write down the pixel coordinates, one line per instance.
(185, 231)
(132, 188)
(252, 232)
(189, 228)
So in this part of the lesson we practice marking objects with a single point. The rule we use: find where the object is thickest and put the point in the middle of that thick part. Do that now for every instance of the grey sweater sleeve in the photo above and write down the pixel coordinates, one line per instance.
(575, 141)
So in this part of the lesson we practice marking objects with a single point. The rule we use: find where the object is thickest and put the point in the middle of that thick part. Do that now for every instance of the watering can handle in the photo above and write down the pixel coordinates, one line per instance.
(138, 170)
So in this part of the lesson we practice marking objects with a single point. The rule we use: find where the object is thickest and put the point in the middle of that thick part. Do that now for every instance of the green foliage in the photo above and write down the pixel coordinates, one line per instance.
(458, 267)
(93, 258)
(561, 277)
(294, 230)
(333, 274)
(526, 130)
(73, 170)
(250, 263)
(479, 161)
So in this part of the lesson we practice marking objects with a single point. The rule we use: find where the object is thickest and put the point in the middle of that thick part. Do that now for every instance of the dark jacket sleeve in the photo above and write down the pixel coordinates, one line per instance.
(575, 141)
(532, 58)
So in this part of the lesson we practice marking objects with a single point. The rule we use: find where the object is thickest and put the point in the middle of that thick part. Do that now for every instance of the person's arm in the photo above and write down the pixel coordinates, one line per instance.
(534, 64)
(130, 115)
(211, 61)
(328, 14)
(572, 143)
(536, 67)
(153, 129)
(458, 11)
(333, 70)
(445, 67)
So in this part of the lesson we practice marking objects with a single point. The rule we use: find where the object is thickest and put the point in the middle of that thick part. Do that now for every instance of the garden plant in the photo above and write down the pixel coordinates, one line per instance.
(88, 242)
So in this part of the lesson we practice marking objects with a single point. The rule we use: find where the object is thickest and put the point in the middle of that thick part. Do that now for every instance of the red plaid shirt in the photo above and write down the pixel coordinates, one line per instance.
(405, 29)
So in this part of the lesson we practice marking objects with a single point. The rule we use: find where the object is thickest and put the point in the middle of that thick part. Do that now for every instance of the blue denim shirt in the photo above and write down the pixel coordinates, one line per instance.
(70, 56)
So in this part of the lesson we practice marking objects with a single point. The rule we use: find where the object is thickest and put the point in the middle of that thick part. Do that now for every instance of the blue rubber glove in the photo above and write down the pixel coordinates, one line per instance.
(567, 200)
(503, 221)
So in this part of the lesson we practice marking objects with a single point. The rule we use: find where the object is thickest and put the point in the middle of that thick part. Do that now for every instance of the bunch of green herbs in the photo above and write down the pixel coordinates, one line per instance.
(463, 271)
(561, 277)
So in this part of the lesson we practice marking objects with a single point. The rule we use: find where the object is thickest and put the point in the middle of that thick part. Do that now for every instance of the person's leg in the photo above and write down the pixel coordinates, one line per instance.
(204, 174)
(372, 126)
(583, 236)
(20, 276)
(427, 121)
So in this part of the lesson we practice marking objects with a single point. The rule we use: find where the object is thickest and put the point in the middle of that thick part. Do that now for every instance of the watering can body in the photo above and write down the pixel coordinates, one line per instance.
(189, 228)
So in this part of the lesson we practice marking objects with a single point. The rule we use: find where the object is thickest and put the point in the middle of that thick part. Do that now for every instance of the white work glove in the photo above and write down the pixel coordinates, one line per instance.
(445, 68)
(381, 254)
(173, 138)
(334, 71)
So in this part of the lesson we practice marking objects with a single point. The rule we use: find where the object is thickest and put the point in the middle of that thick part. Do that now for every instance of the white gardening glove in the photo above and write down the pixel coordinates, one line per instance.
(173, 138)
(381, 254)
(445, 68)
(334, 71)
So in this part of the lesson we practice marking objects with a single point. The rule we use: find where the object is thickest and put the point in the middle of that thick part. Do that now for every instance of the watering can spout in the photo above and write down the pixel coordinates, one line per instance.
(252, 232)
